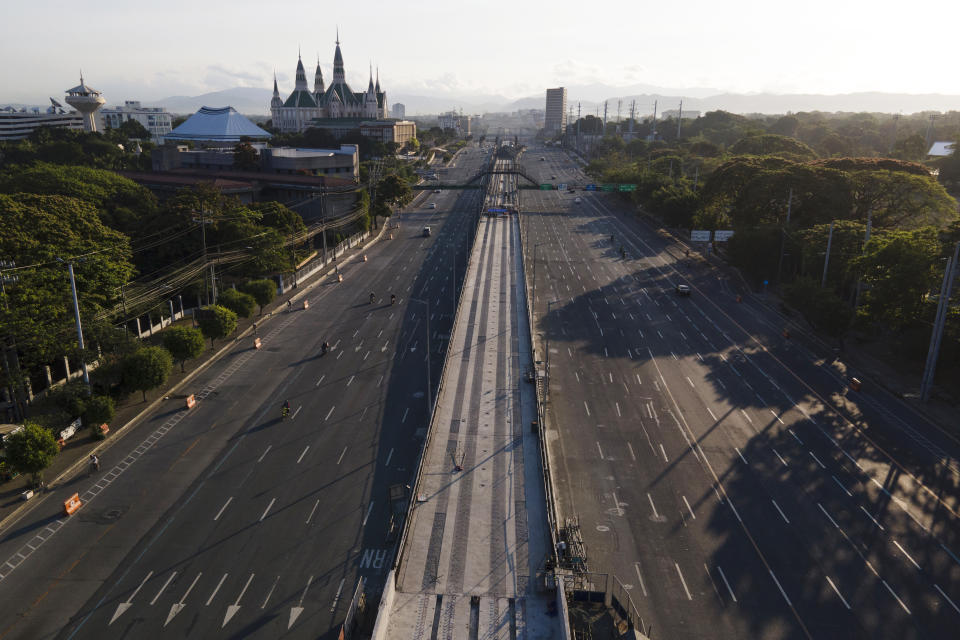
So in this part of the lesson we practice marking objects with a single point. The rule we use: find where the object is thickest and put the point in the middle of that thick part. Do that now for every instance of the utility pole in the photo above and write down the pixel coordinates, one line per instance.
(604, 117)
(203, 238)
(826, 258)
(783, 234)
(940, 320)
(76, 317)
(679, 119)
(866, 239)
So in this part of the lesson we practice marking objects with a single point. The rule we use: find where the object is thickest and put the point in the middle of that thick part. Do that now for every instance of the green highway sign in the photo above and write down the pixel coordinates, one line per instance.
(628, 187)
(608, 187)
(546, 187)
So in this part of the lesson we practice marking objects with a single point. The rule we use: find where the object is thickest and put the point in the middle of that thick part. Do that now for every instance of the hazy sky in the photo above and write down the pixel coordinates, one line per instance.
(150, 50)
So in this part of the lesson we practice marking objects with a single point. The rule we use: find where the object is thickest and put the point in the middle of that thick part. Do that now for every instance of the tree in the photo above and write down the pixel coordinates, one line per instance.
(242, 304)
(263, 291)
(245, 157)
(31, 450)
(183, 343)
(394, 189)
(97, 410)
(133, 129)
(146, 369)
(822, 308)
(217, 322)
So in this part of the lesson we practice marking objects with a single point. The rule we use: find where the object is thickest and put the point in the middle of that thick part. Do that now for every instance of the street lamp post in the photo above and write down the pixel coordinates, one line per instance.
(429, 392)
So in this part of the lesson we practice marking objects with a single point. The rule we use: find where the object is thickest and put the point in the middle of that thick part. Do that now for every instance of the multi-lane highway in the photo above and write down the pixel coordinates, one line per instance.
(723, 472)
(227, 520)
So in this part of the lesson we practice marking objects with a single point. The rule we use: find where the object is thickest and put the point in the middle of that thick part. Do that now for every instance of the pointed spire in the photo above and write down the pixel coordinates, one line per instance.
(377, 87)
(370, 85)
(338, 74)
(318, 87)
(275, 101)
(338, 35)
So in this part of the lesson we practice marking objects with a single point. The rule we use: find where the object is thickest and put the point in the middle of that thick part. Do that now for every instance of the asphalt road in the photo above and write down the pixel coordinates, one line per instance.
(722, 471)
(226, 521)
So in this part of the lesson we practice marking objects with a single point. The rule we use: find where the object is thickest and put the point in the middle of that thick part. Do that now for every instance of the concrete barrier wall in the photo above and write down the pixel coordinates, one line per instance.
(386, 606)
(566, 634)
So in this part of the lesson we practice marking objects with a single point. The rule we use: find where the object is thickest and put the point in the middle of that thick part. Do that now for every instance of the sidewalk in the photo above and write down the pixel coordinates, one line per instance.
(72, 458)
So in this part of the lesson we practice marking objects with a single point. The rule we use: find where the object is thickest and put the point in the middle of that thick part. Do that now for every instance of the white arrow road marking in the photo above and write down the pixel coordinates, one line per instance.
(178, 607)
(232, 609)
(213, 595)
(163, 588)
(123, 606)
(297, 610)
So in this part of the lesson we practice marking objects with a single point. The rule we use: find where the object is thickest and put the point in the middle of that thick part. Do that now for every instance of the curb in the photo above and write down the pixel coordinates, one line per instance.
(28, 506)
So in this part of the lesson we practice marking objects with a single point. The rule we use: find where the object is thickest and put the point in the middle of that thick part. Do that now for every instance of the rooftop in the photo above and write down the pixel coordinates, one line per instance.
(222, 124)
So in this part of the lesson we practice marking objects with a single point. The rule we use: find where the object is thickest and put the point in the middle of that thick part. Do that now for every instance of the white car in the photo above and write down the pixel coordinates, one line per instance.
(436, 190)
(578, 200)
(432, 205)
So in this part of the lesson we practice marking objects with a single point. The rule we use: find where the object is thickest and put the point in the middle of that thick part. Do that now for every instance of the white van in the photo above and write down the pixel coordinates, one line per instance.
(426, 232)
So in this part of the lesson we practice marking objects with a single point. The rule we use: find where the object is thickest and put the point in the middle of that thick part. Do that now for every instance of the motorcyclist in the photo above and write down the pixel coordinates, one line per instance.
(94, 463)
(325, 347)
(393, 298)
(611, 238)
(285, 410)
(372, 297)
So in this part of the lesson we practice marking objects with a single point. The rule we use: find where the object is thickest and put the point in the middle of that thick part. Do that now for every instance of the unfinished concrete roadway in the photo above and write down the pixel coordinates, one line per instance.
(478, 532)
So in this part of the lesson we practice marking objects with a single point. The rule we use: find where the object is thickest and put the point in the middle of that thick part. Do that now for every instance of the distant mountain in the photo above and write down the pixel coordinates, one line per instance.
(248, 100)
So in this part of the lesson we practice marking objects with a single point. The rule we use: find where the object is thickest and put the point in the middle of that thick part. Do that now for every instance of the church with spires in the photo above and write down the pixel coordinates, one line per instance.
(336, 101)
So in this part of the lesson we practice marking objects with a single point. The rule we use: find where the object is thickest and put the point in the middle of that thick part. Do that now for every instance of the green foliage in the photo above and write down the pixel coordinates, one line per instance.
(263, 291)
(31, 450)
(242, 304)
(394, 190)
(146, 369)
(773, 145)
(822, 308)
(183, 343)
(245, 157)
(98, 410)
(217, 322)
(133, 129)
(39, 230)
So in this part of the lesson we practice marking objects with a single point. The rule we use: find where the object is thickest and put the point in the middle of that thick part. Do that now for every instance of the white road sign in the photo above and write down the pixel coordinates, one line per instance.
(700, 235)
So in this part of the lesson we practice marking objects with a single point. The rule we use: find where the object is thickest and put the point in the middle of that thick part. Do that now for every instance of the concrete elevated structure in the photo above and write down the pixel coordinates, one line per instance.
(472, 562)
(87, 101)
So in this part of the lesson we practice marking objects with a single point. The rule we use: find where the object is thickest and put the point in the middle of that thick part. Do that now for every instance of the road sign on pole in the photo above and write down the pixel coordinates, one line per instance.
(700, 235)
(590, 187)
(608, 187)
(628, 187)
(722, 235)
(546, 187)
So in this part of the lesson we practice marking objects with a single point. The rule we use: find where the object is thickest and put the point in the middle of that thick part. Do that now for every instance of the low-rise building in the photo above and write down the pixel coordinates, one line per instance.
(340, 163)
(17, 125)
(399, 131)
(456, 122)
(156, 120)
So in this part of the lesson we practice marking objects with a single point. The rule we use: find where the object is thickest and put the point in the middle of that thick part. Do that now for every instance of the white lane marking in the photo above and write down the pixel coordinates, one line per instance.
(722, 575)
(795, 437)
(610, 375)
(741, 456)
(366, 517)
(222, 509)
(310, 517)
(747, 416)
(822, 466)
(576, 375)
(781, 457)
(632, 454)
(405, 412)
(664, 452)
(586, 407)
(267, 510)
(636, 565)
(320, 380)
(599, 449)
(682, 581)
(896, 597)
(653, 506)
(837, 591)
(123, 606)
(774, 413)
(389, 455)
(350, 381)
(692, 514)
(780, 511)
(232, 609)
(638, 379)
(711, 414)
(329, 413)
(937, 587)
(834, 522)
(366, 355)
(303, 454)
(845, 490)
(904, 552)
(690, 381)
(336, 598)
(270, 593)
(163, 588)
(219, 584)
(782, 592)
(294, 416)
(178, 607)
(380, 381)
(340, 355)
(675, 358)
(618, 408)
(879, 526)
(342, 453)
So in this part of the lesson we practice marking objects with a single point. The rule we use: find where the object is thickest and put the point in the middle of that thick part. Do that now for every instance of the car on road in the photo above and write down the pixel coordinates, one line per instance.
(432, 205)
(578, 200)
(426, 232)
(542, 159)
(553, 177)
(683, 290)
(436, 190)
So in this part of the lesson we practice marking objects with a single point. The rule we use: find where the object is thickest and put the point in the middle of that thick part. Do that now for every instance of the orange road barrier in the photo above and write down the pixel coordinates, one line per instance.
(191, 401)
(390, 237)
(306, 304)
(256, 343)
(364, 257)
(104, 428)
(62, 443)
(339, 277)
(71, 504)
(855, 384)
(739, 298)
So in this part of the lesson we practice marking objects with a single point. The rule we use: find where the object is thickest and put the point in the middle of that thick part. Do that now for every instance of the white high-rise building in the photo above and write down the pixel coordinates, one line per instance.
(156, 120)
(555, 118)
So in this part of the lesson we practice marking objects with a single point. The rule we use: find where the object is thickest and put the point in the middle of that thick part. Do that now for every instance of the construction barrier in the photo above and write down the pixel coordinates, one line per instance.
(191, 401)
(390, 237)
(855, 384)
(364, 257)
(104, 428)
(256, 343)
(339, 277)
(306, 304)
(72, 504)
